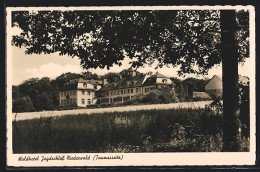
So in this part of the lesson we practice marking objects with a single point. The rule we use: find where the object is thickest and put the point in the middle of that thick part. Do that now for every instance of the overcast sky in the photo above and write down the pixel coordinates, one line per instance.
(52, 65)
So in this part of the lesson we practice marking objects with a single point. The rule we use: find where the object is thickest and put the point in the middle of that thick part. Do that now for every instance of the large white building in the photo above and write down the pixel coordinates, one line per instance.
(132, 86)
(80, 92)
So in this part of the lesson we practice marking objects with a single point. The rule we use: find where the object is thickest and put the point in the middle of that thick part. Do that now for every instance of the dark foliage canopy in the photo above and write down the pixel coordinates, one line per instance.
(104, 38)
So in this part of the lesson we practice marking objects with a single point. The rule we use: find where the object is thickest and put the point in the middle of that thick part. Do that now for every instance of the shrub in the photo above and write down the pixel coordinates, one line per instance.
(157, 97)
(23, 104)
(132, 101)
(152, 97)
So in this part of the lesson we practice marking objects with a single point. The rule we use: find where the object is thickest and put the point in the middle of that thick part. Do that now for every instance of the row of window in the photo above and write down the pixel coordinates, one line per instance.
(86, 85)
(64, 93)
(121, 92)
(148, 89)
(68, 102)
(83, 102)
(83, 92)
(116, 99)
(73, 102)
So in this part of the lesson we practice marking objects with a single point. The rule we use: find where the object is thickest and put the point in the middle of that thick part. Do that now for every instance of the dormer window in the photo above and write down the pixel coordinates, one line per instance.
(85, 85)
(164, 80)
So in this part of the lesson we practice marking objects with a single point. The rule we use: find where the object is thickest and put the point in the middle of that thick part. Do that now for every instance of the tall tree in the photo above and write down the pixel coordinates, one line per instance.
(229, 55)
(195, 40)
(40, 92)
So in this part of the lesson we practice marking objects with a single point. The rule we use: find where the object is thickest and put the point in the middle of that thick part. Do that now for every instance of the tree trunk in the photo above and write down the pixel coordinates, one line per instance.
(229, 54)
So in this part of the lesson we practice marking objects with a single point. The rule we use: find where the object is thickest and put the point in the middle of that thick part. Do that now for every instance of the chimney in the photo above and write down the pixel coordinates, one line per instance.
(104, 82)
(132, 72)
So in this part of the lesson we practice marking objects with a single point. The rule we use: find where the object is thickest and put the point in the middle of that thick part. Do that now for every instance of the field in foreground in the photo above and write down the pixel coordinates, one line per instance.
(172, 130)
(34, 115)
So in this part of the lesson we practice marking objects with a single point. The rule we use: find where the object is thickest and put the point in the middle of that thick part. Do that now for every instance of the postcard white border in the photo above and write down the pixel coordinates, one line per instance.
(137, 159)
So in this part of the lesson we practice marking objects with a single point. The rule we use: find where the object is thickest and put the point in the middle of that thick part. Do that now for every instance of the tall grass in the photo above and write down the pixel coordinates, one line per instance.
(172, 130)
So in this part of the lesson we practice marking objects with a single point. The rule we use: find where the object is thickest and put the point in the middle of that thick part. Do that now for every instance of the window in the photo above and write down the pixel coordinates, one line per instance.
(88, 92)
(111, 93)
(95, 86)
(65, 102)
(107, 93)
(137, 90)
(61, 102)
(122, 92)
(128, 90)
(74, 92)
(132, 91)
(71, 101)
(83, 101)
(164, 80)
(88, 101)
(83, 92)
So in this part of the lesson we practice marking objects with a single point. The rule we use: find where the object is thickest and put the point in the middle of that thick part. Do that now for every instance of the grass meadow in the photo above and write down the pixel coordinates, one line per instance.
(165, 130)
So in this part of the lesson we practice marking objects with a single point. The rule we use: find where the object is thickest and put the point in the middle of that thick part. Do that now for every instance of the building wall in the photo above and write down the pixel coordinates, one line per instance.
(147, 89)
(85, 86)
(214, 84)
(120, 95)
(163, 81)
(215, 92)
(200, 95)
(68, 98)
(214, 87)
(85, 97)
(75, 98)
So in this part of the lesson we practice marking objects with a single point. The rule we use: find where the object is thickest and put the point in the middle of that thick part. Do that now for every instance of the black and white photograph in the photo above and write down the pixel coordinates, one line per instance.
(130, 86)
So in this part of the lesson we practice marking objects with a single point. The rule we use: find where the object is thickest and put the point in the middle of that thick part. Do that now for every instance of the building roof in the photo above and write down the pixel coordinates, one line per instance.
(200, 95)
(127, 82)
(150, 81)
(214, 83)
(158, 75)
(153, 80)
(88, 81)
(73, 84)
(136, 81)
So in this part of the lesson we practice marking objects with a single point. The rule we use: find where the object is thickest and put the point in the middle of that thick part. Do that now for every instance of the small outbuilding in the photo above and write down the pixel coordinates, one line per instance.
(214, 86)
